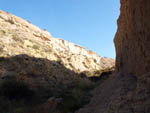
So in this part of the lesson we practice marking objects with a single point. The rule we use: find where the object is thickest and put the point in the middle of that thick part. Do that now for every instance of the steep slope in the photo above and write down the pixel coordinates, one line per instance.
(42, 74)
(18, 36)
(128, 91)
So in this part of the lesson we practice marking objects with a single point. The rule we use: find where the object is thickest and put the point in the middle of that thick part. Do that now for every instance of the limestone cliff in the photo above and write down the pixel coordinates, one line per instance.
(18, 36)
(127, 91)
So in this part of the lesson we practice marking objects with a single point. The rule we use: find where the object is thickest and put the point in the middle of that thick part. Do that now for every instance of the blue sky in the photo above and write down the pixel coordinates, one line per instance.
(89, 23)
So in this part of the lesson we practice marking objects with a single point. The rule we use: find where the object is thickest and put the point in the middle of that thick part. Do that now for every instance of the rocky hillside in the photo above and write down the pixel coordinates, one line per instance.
(128, 90)
(18, 36)
(42, 74)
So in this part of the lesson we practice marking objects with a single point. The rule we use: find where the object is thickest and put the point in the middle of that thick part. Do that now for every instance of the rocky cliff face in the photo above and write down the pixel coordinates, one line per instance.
(18, 36)
(132, 39)
(128, 90)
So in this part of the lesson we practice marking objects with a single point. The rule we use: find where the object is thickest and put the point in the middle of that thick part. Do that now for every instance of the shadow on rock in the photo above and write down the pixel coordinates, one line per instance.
(29, 84)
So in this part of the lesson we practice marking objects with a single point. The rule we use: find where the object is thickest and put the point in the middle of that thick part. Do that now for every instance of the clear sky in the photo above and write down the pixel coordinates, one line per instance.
(89, 23)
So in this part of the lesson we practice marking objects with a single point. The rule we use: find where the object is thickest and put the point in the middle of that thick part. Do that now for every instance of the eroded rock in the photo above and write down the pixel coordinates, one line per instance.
(18, 36)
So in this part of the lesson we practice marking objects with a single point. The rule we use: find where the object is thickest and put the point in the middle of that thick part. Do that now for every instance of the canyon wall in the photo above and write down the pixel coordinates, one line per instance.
(127, 90)
(132, 40)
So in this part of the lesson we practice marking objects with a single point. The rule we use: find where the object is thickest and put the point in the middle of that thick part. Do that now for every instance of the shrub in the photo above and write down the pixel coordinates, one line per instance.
(35, 47)
(76, 96)
(11, 75)
(15, 90)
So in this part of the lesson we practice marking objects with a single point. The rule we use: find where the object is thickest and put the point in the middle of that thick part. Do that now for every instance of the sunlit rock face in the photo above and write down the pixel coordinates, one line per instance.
(127, 91)
(132, 40)
(18, 36)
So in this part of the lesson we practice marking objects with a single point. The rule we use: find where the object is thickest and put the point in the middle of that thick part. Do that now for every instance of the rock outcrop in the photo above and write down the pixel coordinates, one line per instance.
(127, 91)
(132, 40)
(18, 36)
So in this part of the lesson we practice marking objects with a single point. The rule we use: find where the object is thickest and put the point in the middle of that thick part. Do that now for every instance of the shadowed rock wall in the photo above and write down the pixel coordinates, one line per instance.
(132, 40)
(127, 91)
